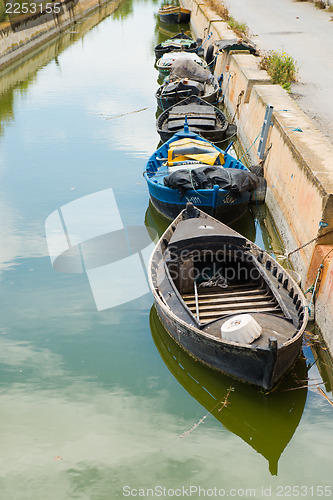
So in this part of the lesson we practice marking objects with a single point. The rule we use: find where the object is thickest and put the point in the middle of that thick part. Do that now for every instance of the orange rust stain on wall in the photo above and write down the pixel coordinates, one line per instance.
(323, 254)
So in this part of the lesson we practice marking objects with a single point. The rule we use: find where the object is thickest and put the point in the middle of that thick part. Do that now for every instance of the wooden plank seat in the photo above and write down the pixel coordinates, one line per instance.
(199, 122)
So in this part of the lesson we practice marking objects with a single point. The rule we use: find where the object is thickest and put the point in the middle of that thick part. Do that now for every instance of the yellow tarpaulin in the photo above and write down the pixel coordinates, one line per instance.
(193, 149)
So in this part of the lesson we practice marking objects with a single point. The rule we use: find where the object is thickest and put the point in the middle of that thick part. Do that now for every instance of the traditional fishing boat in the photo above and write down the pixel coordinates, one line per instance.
(236, 44)
(265, 422)
(165, 63)
(187, 78)
(203, 118)
(188, 168)
(226, 301)
(174, 14)
(177, 90)
(179, 42)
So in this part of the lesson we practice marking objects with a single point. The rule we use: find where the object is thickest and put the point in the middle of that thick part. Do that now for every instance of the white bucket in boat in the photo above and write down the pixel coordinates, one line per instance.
(242, 328)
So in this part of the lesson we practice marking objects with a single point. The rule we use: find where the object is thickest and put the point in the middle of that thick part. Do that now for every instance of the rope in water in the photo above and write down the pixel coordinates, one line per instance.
(123, 114)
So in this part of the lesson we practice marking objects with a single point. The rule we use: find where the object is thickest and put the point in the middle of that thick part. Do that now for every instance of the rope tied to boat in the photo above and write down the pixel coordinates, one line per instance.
(124, 114)
(239, 102)
(314, 288)
(286, 255)
(231, 75)
(206, 39)
(251, 146)
(216, 280)
(193, 186)
(223, 140)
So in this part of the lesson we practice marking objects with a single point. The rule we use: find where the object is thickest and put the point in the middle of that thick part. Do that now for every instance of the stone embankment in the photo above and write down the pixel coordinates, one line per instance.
(31, 31)
(299, 165)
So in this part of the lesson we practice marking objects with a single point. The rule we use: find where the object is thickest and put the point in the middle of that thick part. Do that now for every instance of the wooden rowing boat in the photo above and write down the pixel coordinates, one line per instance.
(179, 42)
(226, 301)
(174, 14)
(187, 78)
(203, 118)
(165, 63)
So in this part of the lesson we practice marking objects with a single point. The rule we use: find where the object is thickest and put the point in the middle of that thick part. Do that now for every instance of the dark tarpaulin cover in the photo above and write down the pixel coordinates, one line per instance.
(179, 86)
(190, 69)
(232, 179)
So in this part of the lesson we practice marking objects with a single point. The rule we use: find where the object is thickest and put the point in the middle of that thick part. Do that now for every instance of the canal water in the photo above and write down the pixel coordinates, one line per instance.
(96, 401)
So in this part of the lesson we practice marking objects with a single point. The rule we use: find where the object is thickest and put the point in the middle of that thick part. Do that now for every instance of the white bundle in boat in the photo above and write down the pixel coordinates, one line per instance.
(242, 328)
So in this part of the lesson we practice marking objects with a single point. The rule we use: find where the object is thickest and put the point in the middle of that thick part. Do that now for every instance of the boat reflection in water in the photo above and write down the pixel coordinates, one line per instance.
(265, 422)
(157, 224)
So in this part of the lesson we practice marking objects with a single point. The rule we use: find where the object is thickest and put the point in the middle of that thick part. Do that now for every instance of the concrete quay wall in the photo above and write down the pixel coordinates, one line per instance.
(30, 32)
(299, 165)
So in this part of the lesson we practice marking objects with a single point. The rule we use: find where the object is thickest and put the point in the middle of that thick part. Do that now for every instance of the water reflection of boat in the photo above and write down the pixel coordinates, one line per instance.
(265, 422)
(155, 220)
(172, 30)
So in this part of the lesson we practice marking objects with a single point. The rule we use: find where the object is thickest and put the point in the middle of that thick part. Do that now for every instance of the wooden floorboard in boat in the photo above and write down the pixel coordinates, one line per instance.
(234, 289)
(222, 300)
(205, 317)
(227, 293)
(236, 299)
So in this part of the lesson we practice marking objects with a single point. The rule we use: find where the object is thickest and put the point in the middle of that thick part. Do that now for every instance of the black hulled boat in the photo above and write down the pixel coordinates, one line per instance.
(226, 301)
(202, 118)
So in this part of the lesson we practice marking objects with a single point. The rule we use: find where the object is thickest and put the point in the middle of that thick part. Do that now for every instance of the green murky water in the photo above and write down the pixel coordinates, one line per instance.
(101, 404)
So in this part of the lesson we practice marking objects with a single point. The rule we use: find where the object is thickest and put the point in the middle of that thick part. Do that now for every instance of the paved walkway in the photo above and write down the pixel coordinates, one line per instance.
(306, 33)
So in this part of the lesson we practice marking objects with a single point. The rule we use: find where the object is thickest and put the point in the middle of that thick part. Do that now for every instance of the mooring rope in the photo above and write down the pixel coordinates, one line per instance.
(314, 288)
(123, 114)
(253, 143)
(285, 256)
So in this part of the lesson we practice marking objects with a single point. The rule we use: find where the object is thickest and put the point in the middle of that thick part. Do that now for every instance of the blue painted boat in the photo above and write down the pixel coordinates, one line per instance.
(170, 175)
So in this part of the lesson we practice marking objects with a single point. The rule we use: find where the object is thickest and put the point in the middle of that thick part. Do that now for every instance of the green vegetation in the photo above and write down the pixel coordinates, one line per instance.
(3, 15)
(239, 28)
(281, 67)
(219, 8)
(320, 4)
